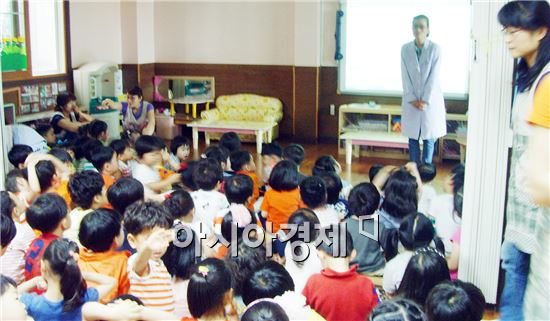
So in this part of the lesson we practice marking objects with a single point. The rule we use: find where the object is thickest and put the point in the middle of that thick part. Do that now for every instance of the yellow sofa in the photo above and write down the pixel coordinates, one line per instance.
(245, 107)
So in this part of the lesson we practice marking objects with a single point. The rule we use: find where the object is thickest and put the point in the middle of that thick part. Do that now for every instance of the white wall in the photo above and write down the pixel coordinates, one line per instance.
(225, 32)
(95, 32)
(145, 31)
(328, 30)
(307, 30)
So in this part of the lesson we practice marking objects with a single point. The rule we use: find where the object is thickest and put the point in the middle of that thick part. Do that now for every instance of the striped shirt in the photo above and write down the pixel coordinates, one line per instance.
(156, 289)
(12, 263)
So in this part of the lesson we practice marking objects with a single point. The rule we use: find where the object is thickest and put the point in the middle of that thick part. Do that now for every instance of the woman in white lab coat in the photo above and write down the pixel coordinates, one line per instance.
(423, 115)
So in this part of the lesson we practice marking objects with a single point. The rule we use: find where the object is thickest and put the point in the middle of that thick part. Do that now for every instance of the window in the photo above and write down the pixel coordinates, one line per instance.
(33, 38)
(373, 33)
(47, 37)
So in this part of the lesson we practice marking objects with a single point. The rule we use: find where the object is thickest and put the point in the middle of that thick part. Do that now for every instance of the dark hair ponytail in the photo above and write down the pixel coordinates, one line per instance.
(59, 255)
(416, 231)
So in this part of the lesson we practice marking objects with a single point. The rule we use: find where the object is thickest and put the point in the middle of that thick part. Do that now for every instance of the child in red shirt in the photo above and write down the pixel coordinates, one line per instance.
(339, 292)
(48, 214)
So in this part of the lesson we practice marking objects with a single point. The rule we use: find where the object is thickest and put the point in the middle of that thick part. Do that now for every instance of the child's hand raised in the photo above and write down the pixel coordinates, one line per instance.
(159, 239)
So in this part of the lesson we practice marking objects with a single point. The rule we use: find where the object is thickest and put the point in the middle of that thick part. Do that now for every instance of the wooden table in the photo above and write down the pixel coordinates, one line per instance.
(224, 126)
(372, 138)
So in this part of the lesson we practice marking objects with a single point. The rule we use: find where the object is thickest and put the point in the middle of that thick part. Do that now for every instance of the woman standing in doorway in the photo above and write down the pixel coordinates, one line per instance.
(527, 35)
(423, 114)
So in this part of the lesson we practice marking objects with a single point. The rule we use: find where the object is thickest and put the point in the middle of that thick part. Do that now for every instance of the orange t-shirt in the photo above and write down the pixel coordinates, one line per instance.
(110, 263)
(108, 180)
(255, 188)
(279, 205)
(63, 191)
(541, 104)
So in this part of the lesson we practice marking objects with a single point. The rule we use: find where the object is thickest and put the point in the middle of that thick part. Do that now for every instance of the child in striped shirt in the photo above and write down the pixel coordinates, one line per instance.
(149, 231)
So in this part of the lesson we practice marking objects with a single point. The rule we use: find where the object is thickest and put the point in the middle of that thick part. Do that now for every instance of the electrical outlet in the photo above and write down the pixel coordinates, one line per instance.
(332, 109)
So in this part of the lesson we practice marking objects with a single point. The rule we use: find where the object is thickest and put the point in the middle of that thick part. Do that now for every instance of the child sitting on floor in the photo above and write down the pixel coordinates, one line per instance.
(100, 235)
(149, 232)
(125, 156)
(314, 195)
(88, 193)
(339, 292)
(149, 151)
(242, 162)
(47, 214)
(179, 153)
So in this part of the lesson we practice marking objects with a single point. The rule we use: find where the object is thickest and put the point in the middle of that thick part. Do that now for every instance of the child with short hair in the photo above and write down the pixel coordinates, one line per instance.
(150, 151)
(180, 204)
(98, 129)
(47, 214)
(314, 195)
(179, 153)
(262, 308)
(83, 146)
(373, 171)
(221, 156)
(179, 261)
(339, 292)
(67, 290)
(88, 193)
(363, 201)
(427, 174)
(125, 156)
(242, 162)
(46, 173)
(301, 256)
(238, 190)
(334, 186)
(208, 201)
(14, 246)
(209, 291)
(455, 301)
(18, 154)
(415, 232)
(149, 231)
(297, 154)
(268, 281)
(64, 156)
(46, 131)
(17, 183)
(328, 163)
(100, 235)
(124, 193)
(272, 153)
(283, 197)
(230, 141)
(398, 309)
(105, 161)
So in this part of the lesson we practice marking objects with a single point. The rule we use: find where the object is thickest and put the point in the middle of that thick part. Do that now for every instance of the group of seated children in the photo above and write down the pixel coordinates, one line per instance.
(120, 231)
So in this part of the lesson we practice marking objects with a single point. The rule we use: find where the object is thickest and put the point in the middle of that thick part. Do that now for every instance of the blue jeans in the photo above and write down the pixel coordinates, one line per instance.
(427, 153)
(516, 265)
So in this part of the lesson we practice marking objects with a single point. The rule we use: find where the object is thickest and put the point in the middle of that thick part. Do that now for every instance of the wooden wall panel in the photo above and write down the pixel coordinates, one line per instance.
(275, 81)
(146, 72)
(129, 76)
(306, 82)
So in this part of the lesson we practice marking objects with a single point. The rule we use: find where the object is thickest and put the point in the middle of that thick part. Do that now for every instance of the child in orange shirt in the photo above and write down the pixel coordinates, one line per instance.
(242, 162)
(283, 197)
(101, 234)
(105, 161)
(47, 174)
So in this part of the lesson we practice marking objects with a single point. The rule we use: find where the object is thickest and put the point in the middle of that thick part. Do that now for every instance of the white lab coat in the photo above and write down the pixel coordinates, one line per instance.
(421, 82)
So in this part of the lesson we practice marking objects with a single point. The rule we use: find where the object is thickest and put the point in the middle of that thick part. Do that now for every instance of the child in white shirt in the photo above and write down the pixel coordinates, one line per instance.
(314, 194)
(427, 174)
